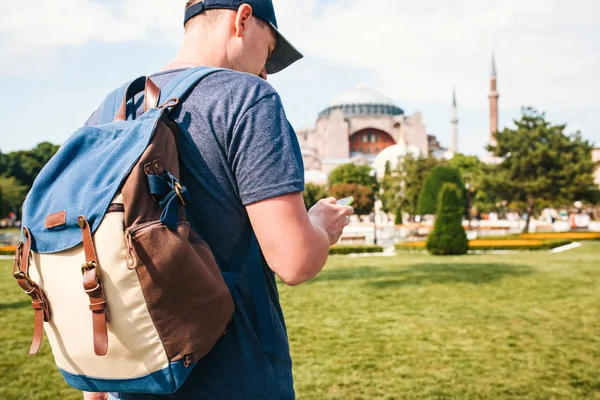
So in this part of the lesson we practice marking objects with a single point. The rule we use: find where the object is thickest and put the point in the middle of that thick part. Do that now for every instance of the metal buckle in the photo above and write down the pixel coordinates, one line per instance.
(178, 188)
(88, 266)
(172, 102)
(21, 275)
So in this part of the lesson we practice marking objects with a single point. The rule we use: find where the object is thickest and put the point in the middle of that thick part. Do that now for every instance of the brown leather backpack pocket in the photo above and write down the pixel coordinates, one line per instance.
(183, 287)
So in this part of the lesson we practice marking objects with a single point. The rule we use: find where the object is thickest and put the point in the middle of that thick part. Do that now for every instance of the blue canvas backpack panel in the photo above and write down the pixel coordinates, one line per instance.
(130, 297)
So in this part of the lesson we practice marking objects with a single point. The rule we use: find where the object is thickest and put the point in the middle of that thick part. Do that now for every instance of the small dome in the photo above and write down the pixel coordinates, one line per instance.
(315, 176)
(362, 102)
(393, 154)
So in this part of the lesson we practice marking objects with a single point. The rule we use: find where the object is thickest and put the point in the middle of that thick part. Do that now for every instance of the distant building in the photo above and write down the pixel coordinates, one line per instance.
(359, 125)
(356, 127)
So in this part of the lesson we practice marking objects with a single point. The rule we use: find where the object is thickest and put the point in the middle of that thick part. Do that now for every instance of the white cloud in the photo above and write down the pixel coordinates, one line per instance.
(30, 31)
(545, 49)
(419, 50)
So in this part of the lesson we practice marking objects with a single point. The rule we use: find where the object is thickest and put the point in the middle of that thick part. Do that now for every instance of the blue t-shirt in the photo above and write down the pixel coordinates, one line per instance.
(242, 116)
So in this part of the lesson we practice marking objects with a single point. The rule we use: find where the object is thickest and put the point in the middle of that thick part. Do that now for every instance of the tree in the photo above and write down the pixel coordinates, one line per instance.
(13, 196)
(540, 163)
(312, 194)
(363, 196)
(448, 236)
(412, 172)
(350, 173)
(391, 188)
(474, 173)
(25, 165)
(433, 184)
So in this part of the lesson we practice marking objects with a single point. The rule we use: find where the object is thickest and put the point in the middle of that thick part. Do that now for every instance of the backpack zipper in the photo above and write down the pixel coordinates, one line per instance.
(130, 234)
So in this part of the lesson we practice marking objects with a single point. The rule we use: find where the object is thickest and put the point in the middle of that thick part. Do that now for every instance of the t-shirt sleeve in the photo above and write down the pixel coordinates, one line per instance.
(265, 153)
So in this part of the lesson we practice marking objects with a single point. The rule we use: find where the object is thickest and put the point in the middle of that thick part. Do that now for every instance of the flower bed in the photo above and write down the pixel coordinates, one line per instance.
(7, 250)
(562, 235)
(348, 249)
(496, 244)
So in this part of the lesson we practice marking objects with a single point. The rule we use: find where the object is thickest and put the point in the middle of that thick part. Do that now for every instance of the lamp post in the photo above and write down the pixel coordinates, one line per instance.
(373, 175)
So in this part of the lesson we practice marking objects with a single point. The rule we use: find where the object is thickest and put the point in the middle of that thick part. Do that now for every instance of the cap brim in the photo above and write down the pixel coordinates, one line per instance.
(283, 56)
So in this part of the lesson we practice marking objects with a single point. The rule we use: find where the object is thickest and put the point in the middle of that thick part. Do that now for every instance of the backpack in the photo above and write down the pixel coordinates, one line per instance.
(130, 297)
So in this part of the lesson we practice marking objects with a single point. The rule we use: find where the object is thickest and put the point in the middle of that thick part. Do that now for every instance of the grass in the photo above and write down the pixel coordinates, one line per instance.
(471, 327)
(406, 327)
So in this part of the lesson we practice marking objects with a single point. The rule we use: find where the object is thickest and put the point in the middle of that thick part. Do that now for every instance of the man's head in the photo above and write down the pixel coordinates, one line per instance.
(242, 35)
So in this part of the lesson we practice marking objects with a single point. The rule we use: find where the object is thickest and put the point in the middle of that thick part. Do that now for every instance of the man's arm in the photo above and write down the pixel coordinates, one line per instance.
(296, 243)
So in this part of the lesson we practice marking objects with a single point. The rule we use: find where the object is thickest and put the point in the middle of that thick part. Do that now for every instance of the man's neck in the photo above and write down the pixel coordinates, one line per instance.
(195, 52)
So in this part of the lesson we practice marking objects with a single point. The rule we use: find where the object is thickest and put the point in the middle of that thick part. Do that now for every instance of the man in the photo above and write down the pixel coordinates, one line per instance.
(261, 178)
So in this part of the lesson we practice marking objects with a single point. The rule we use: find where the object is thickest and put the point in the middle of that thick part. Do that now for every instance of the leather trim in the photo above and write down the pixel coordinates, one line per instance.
(39, 301)
(92, 285)
(57, 219)
(151, 94)
(115, 208)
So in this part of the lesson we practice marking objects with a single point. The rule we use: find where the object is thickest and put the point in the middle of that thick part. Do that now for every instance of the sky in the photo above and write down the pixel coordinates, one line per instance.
(59, 59)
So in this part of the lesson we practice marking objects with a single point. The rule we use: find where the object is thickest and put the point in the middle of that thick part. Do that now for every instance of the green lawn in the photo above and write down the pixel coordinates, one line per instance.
(523, 326)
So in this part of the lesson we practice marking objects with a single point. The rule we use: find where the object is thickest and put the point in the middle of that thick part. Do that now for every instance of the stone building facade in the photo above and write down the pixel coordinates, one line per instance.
(356, 127)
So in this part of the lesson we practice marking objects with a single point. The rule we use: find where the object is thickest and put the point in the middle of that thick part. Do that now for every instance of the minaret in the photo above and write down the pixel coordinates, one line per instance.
(493, 105)
(454, 123)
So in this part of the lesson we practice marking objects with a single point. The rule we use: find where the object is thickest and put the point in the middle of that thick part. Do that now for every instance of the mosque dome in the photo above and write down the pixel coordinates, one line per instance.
(393, 154)
(362, 101)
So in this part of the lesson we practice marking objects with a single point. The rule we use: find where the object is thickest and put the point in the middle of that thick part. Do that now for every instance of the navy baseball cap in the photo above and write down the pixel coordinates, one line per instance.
(284, 54)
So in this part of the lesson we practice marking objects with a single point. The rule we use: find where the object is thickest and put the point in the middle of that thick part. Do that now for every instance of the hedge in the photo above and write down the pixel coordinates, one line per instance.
(539, 245)
(348, 249)
(547, 235)
(487, 244)
(7, 250)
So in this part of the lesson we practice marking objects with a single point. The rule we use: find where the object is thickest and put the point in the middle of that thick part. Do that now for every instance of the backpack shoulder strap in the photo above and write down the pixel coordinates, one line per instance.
(113, 101)
(247, 250)
(179, 86)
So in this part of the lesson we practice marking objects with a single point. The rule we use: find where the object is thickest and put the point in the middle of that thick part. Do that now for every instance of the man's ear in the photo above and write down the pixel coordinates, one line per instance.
(242, 19)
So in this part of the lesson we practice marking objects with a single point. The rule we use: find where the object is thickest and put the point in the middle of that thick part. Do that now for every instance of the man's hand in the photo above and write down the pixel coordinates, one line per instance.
(330, 217)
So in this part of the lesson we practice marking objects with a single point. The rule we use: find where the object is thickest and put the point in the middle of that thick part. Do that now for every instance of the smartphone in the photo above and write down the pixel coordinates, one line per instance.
(346, 201)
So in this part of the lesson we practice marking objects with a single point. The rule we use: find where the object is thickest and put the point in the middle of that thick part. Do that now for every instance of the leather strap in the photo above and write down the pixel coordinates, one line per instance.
(41, 307)
(151, 93)
(92, 285)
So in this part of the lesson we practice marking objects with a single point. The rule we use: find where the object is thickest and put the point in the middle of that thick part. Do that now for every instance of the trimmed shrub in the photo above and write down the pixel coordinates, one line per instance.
(349, 249)
(430, 193)
(398, 216)
(448, 236)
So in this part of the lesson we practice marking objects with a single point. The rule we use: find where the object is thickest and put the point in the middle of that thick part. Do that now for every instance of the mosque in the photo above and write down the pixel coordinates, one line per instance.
(363, 126)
